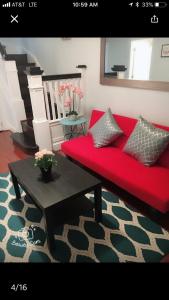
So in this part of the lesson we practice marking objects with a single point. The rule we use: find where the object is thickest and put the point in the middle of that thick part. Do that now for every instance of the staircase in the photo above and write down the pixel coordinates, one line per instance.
(26, 139)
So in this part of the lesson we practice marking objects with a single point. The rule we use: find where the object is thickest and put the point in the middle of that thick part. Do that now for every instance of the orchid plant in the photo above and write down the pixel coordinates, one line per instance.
(72, 93)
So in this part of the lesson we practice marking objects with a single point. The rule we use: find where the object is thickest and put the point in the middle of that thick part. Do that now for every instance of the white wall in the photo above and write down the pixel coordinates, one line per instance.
(46, 51)
(7, 112)
(159, 65)
(13, 45)
(11, 104)
(59, 56)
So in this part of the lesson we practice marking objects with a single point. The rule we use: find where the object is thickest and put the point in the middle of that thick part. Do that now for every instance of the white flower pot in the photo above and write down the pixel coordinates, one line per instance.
(73, 117)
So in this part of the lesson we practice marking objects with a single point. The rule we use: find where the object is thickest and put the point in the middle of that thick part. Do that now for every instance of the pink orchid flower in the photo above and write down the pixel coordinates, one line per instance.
(80, 95)
(61, 90)
(69, 86)
(67, 102)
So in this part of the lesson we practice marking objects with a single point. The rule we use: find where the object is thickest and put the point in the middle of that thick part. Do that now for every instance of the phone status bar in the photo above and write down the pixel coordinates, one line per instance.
(30, 4)
(148, 4)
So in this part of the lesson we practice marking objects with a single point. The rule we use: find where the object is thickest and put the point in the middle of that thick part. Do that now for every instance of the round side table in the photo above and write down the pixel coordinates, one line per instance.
(73, 128)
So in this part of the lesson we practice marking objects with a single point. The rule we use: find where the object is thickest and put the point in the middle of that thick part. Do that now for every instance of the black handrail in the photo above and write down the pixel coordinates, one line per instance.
(61, 76)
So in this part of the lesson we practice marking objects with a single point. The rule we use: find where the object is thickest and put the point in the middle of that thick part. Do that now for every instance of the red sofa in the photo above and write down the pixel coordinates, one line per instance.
(150, 184)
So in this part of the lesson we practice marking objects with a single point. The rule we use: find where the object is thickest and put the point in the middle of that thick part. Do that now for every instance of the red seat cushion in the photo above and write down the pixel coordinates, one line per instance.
(150, 184)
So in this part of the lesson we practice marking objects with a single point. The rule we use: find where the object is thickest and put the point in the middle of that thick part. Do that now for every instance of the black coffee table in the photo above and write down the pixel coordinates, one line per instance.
(61, 195)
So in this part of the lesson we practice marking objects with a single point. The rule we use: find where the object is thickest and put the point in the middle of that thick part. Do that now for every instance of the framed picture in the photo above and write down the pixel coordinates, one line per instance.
(165, 50)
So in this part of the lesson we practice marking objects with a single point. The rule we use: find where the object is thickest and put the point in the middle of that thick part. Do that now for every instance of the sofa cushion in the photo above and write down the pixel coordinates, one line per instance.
(147, 142)
(148, 184)
(105, 130)
(127, 125)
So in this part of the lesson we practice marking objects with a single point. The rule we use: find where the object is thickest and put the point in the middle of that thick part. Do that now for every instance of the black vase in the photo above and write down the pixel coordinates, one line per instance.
(46, 174)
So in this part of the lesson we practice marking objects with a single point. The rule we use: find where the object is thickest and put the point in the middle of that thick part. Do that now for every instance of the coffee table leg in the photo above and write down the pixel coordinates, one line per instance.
(98, 204)
(49, 230)
(16, 186)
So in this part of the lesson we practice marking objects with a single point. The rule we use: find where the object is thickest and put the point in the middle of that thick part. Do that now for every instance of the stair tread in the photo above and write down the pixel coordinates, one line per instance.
(24, 90)
(20, 139)
(20, 59)
(22, 65)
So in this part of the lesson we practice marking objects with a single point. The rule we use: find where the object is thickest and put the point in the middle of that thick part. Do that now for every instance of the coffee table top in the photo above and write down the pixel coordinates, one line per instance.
(68, 181)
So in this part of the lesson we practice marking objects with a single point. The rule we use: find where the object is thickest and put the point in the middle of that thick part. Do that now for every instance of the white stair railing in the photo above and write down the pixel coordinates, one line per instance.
(54, 103)
(48, 107)
(40, 122)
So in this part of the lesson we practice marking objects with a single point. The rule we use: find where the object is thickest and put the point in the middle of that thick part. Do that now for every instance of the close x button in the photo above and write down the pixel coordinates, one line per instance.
(14, 19)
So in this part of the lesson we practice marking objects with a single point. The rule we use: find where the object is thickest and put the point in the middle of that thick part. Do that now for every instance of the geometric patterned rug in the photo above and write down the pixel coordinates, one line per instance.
(125, 235)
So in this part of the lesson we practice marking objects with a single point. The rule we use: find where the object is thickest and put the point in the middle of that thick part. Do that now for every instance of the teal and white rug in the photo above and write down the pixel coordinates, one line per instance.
(124, 236)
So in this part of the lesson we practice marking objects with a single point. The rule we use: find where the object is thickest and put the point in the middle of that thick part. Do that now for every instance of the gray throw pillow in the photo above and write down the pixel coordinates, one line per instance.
(147, 142)
(105, 130)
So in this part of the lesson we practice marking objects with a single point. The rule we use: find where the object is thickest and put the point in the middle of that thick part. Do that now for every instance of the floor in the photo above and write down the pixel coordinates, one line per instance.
(10, 152)
(162, 219)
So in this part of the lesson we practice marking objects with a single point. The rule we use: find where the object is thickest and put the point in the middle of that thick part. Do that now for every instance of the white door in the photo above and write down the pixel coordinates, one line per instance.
(140, 59)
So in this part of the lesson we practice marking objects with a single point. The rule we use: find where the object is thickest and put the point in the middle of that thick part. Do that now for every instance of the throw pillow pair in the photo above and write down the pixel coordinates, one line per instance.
(146, 143)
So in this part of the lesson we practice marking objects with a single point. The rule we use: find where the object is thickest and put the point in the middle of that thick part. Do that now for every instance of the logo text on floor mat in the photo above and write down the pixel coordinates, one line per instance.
(26, 233)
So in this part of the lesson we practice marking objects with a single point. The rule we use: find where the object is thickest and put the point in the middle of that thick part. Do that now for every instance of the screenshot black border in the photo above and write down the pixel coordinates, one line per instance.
(71, 18)
(83, 18)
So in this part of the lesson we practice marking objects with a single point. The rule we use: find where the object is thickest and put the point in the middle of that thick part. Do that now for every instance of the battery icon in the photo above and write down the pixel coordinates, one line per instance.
(160, 4)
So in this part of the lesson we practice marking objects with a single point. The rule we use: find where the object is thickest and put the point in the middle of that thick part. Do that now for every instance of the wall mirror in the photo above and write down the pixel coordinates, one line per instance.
(135, 62)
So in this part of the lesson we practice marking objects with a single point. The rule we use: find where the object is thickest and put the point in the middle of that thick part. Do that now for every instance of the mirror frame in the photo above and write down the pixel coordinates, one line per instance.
(140, 84)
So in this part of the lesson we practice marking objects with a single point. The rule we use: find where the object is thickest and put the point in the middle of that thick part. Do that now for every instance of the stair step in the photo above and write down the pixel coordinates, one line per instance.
(22, 68)
(22, 65)
(22, 75)
(26, 100)
(29, 115)
(34, 70)
(26, 97)
(21, 59)
(28, 110)
(24, 89)
(30, 120)
(24, 142)
(23, 80)
(28, 130)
